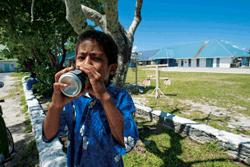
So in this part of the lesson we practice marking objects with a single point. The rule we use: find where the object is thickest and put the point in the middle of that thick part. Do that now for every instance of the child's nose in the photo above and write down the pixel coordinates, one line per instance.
(87, 60)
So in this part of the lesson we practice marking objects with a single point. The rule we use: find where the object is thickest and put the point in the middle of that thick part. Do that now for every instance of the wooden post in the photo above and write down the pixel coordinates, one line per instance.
(157, 86)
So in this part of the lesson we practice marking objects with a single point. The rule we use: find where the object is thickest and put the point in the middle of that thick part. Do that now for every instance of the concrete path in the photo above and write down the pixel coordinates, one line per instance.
(2, 75)
(209, 70)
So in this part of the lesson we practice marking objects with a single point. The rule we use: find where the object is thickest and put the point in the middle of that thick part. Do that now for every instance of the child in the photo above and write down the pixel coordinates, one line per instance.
(33, 80)
(99, 120)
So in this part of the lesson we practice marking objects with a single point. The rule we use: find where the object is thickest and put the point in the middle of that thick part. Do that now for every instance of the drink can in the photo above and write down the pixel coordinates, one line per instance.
(75, 80)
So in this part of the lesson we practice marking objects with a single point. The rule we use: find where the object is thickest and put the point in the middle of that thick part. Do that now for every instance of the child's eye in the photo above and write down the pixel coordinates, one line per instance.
(81, 57)
(97, 58)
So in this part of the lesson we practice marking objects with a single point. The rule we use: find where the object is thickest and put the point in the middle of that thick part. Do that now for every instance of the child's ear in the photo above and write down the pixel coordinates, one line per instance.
(112, 69)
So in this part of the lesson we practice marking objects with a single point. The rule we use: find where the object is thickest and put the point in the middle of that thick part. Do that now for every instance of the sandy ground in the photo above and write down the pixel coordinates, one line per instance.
(14, 118)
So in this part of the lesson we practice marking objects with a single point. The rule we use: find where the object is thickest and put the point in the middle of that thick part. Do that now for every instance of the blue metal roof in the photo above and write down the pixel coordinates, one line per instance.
(147, 54)
(178, 51)
(216, 48)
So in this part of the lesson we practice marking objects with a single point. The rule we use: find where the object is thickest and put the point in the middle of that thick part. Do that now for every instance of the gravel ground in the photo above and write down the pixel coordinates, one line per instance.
(14, 118)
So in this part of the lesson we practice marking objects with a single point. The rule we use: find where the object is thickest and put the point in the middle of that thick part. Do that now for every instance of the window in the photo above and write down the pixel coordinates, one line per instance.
(198, 62)
(182, 62)
(189, 62)
(218, 62)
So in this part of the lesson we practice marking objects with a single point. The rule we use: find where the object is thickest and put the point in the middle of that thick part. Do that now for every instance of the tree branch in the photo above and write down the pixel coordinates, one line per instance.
(35, 55)
(93, 15)
(75, 16)
(52, 59)
(137, 17)
(32, 10)
(64, 53)
(111, 13)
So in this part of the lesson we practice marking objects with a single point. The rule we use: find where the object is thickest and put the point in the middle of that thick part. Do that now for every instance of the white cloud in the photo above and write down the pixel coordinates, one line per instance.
(134, 48)
(235, 46)
(227, 42)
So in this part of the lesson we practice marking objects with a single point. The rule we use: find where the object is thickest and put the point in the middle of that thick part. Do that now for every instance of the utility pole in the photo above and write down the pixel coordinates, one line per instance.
(136, 54)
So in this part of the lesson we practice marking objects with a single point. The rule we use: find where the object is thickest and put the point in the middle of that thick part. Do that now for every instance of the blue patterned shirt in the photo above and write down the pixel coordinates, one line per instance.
(31, 82)
(90, 140)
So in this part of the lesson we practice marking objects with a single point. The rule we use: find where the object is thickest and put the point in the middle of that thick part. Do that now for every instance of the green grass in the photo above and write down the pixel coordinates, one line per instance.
(229, 91)
(25, 109)
(223, 90)
(171, 149)
(19, 75)
(27, 123)
(23, 101)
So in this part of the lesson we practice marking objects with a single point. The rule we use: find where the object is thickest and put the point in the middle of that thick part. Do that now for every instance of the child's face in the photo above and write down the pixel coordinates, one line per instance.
(91, 53)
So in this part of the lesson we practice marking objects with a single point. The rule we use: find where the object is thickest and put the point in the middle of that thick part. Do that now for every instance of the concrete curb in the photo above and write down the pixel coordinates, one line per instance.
(50, 154)
(238, 146)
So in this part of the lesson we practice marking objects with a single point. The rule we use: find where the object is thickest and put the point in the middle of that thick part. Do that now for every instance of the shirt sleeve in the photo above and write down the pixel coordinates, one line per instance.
(62, 129)
(130, 132)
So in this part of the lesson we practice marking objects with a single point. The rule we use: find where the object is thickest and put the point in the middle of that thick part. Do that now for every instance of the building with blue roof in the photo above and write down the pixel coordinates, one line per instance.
(213, 53)
(143, 57)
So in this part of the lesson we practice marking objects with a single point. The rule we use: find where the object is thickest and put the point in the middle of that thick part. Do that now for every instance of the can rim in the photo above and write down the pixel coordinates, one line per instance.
(79, 85)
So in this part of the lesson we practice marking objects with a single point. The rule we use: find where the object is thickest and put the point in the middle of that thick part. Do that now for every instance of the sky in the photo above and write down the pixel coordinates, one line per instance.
(169, 22)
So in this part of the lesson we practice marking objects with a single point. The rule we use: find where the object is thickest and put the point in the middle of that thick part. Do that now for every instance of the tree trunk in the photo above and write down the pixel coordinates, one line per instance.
(77, 14)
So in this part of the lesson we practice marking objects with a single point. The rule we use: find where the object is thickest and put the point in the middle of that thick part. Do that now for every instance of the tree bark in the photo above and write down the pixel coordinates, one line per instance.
(78, 13)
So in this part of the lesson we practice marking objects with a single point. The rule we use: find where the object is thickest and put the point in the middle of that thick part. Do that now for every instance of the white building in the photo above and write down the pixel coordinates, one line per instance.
(8, 65)
(213, 53)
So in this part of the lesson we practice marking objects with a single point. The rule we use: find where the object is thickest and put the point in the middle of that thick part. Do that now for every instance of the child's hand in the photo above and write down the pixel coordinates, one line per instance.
(96, 85)
(58, 98)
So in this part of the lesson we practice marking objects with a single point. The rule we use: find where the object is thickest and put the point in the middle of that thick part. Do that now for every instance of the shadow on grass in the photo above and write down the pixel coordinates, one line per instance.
(209, 118)
(170, 154)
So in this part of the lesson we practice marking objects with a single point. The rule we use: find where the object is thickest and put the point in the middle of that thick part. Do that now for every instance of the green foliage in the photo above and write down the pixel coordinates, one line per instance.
(46, 77)
(38, 43)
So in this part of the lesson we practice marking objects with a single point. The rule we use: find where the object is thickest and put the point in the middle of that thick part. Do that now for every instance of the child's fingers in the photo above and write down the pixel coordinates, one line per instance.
(57, 86)
(57, 76)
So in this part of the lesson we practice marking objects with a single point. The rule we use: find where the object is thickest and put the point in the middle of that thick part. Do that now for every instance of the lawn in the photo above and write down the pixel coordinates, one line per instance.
(230, 91)
(166, 148)
(162, 147)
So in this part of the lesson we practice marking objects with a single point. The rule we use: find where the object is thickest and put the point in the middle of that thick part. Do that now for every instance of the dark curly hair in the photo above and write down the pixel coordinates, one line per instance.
(104, 40)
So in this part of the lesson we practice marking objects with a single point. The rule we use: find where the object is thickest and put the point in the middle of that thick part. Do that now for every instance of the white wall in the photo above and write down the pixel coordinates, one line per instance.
(214, 62)
(193, 63)
(179, 62)
(185, 62)
(203, 62)
(225, 62)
